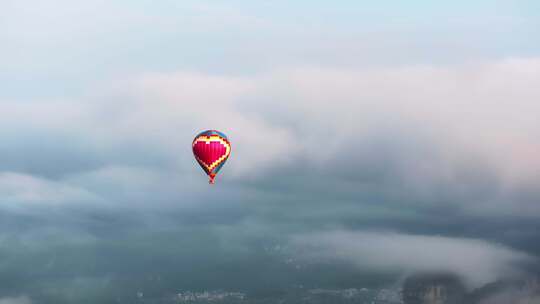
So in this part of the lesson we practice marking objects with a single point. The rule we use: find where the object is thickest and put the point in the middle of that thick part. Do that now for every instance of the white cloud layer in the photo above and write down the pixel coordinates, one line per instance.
(16, 300)
(468, 131)
(24, 192)
(477, 261)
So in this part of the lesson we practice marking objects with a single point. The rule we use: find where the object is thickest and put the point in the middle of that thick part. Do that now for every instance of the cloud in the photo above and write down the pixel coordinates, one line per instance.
(513, 296)
(24, 192)
(359, 124)
(16, 300)
(458, 136)
(420, 150)
(467, 107)
(191, 101)
(478, 261)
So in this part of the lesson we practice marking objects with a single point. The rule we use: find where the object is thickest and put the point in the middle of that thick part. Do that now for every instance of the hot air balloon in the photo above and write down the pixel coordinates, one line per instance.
(211, 149)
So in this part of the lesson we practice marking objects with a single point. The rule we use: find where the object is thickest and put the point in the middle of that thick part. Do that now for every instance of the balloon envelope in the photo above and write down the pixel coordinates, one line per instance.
(211, 149)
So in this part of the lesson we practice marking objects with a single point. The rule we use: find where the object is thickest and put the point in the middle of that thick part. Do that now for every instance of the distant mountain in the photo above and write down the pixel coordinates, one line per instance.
(434, 289)
(449, 289)
(516, 291)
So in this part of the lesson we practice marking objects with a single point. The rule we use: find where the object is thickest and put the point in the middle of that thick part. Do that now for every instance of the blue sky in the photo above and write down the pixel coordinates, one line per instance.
(56, 41)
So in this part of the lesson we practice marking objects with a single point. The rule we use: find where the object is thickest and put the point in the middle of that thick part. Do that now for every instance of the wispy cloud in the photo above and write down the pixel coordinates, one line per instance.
(16, 300)
(477, 261)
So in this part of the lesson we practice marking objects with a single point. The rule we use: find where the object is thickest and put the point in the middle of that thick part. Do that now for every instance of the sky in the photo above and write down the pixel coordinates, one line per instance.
(370, 141)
